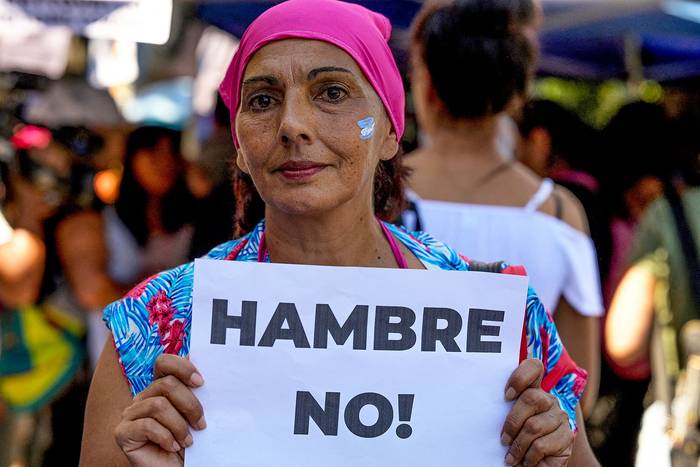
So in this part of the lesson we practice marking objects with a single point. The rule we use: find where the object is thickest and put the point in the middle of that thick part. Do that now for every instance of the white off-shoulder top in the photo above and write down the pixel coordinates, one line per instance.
(560, 260)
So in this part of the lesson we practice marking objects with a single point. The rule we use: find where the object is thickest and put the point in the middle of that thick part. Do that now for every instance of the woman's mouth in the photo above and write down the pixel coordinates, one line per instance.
(299, 170)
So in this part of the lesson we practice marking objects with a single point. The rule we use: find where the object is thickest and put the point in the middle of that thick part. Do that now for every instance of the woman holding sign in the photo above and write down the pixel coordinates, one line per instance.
(317, 112)
(468, 190)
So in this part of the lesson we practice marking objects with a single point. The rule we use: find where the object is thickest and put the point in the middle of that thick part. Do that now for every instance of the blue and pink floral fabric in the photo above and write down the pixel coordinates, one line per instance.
(155, 317)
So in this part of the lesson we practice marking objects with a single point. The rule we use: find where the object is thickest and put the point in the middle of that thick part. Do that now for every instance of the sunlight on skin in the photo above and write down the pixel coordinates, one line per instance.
(628, 326)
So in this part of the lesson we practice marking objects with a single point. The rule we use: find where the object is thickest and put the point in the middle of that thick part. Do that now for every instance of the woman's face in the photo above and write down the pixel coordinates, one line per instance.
(156, 169)
(311, 128)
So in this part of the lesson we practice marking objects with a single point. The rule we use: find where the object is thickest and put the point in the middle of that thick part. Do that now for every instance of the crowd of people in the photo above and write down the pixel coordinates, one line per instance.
(66, 253)
(606, 223)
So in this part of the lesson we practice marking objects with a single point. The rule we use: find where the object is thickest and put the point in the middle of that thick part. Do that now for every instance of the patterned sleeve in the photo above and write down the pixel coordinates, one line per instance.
(562, 377)
(150, 320)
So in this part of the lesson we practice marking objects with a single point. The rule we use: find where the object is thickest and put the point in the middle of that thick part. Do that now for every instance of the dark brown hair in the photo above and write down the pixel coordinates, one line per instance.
(476, 52)
(389, 200)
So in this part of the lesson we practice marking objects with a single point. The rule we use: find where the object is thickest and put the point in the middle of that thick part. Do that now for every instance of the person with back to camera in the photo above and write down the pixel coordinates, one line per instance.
(653, 318)
(311, 188)
(470, 61)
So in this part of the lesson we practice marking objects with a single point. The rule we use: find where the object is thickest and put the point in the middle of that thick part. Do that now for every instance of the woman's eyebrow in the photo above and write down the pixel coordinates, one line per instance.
(326, 69)
(269, 79)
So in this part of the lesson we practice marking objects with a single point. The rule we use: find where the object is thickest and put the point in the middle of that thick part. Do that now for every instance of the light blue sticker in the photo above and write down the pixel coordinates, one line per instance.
(366, 127)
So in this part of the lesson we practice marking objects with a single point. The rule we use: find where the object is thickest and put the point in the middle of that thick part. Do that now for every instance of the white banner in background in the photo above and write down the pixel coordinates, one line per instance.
(41, 51)
(309, 366)
(130, 20)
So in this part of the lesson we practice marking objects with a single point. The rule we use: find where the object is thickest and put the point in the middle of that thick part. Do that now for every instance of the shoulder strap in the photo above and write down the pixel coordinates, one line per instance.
(411, 217)
(479, 266)
(558, 206)
(685, 234)
(540, 196)
(411, 213)
(499, 267)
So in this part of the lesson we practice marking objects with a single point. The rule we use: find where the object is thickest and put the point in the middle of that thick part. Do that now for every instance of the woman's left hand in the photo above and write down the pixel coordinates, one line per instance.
(537, 429)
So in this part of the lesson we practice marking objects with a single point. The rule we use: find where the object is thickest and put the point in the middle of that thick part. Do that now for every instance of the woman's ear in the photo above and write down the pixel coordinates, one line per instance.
(390, 146)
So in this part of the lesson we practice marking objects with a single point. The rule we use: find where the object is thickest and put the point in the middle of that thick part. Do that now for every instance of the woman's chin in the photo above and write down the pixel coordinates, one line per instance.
(306, 203)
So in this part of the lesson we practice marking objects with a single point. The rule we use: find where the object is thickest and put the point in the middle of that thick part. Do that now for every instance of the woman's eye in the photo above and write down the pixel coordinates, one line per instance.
(261, 102)
(333, 94)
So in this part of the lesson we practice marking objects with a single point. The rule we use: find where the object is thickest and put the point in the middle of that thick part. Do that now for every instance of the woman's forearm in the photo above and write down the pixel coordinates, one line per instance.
(630, 318)
(582, 454)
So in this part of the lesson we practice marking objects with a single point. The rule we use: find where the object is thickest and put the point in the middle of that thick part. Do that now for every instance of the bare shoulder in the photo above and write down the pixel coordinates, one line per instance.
(561, 203)
(572, 211)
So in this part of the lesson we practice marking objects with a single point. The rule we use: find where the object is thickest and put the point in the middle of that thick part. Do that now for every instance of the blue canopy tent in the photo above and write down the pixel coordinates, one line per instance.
(597, 40)
(591, 39)
(234, 16)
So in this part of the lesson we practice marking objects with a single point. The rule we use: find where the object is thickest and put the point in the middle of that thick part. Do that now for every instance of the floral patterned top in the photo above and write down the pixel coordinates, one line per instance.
(155, 316)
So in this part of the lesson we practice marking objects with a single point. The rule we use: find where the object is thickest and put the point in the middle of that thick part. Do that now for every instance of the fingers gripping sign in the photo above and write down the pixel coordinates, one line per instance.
(536, 429)
(155, 428)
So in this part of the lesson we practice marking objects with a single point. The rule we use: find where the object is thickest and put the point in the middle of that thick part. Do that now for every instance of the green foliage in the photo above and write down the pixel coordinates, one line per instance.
(596, 103)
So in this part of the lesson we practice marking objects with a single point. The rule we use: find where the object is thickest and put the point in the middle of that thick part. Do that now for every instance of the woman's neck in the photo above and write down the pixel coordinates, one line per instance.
(458, 159)
(467, 141)
(341, 238)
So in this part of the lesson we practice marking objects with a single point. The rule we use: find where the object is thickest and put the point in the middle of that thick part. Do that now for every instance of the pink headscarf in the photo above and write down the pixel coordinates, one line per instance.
(362, 33)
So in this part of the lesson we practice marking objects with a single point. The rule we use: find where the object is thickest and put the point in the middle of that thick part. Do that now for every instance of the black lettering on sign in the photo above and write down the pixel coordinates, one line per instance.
(404, 430)
(326, 323)
(447, 335)
(285, 312)
(221, 321)
(383, 327)
(384, 420)
(326, 418)
(476, 329)
(393, 327)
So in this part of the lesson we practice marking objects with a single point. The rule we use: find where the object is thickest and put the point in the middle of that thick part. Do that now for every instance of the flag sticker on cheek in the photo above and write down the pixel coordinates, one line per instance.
(366, 128)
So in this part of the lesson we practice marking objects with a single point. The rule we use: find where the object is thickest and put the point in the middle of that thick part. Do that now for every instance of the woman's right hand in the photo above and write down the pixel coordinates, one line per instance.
(155, 428)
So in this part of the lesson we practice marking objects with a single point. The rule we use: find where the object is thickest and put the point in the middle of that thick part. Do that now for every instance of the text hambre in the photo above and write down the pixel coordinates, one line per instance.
(438, 324)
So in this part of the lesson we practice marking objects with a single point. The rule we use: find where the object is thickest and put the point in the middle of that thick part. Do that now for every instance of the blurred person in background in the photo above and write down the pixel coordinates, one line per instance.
(149, 227)
(209, 180)
(42, 374)
(22, 255)
(658, 295)
(529, 16)
(146, 230)
(615, 175)
(634, 148)
(555, 143)
(634, 144)
(470, 62)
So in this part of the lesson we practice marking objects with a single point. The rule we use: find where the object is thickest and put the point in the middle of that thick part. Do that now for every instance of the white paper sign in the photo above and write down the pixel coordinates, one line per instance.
(334, 366)
(130, 20)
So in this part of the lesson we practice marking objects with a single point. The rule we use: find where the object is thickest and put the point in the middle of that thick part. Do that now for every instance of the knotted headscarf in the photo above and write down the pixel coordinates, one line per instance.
(362, 33)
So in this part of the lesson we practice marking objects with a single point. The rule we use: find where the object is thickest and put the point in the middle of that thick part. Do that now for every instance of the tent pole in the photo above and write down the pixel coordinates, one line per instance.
(633, 60)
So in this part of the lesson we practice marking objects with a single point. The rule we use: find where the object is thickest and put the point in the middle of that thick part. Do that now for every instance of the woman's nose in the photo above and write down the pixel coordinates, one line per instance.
(296, 122)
